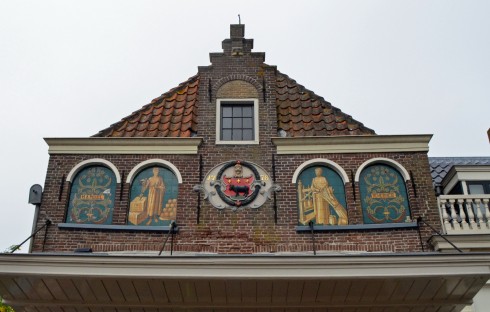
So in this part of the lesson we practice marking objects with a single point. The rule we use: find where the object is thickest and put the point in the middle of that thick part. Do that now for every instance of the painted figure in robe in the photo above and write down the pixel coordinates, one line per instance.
(156, 191)
(324, 197)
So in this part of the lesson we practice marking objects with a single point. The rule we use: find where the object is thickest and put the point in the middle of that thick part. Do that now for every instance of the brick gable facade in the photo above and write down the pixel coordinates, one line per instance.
(239, 73)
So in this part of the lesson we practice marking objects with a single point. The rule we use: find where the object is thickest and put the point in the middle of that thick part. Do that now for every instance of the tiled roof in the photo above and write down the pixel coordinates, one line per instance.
(173, 114)
(300, 112)
(440, 166)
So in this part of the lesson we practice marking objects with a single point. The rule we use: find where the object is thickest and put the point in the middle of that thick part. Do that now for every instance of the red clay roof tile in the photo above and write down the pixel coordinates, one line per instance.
(177, 118)
(152, 133)
(152, 126)
(300, 112)
(164, 112)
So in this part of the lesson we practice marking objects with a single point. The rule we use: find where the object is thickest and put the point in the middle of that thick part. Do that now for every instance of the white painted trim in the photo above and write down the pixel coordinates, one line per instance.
(464, 173)
(353, 144)
(467, 243)
(336, 167)
(469, 270)
(464, 186)
(161, 146)
(386, 161)
(450, 181)
(267, 267)
(256, 121)
(148, 163)
(90, 162)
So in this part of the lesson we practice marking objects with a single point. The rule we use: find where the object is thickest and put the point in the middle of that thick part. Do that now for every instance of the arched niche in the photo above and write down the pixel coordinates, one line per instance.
(321, 161)
(154, 186)
(386, 161)
(150, 162)
(92, 162)
(320, 188)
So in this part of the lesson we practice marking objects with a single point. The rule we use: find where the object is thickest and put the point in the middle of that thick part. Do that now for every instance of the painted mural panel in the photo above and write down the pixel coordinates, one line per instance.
(383, 195)
(321, 197)
(92, 196)
(153, 197)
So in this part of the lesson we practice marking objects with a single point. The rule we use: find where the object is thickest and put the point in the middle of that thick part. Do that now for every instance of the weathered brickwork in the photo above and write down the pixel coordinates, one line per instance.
(245, 231)
(237, 89)
(237, 73)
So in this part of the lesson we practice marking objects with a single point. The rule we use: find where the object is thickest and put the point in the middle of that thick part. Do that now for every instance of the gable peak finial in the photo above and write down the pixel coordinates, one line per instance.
(237, 31)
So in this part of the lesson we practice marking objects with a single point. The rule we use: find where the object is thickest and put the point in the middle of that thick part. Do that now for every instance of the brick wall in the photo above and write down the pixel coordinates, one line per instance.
(237, 89)
(247, 230)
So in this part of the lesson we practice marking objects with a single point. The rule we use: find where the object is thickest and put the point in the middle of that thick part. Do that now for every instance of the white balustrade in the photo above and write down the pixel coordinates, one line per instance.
(465, 214)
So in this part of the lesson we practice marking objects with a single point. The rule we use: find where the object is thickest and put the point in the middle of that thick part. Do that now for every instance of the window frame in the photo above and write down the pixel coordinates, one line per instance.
(255, 103)
(484, 183)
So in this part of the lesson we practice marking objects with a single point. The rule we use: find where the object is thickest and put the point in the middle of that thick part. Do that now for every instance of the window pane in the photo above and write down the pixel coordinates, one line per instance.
(237, 111)
(247, 111)
(248, 123)
(226, 136)
(237, 135)
(476, 189)
(237, 123)
(248, 135)
(226, 123)
(226, 111)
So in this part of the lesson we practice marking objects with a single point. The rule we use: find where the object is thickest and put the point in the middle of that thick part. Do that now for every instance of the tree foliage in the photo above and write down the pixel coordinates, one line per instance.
(4, 307)
(11, 249)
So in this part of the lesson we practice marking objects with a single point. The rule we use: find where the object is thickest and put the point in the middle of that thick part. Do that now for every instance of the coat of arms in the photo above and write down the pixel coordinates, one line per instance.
(237, 184)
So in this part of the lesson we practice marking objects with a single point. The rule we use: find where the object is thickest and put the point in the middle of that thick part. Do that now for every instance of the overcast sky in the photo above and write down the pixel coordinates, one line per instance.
(70, 69)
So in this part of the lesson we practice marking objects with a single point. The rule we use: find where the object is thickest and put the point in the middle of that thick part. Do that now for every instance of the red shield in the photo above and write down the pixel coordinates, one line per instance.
(238, 187)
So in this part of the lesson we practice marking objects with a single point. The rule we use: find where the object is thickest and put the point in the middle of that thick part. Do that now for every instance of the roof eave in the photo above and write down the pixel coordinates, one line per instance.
(353, 144)
(244, 281)
(134, 145)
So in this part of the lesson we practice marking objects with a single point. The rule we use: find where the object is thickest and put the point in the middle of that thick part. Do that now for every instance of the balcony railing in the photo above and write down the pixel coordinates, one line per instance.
(465, 214)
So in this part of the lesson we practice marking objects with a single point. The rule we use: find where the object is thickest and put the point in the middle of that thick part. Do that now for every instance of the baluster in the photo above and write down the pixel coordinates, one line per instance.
(462, 215)
(479, 215)
(454, 216)
(445, 216)
(471, 214)
(487, 213)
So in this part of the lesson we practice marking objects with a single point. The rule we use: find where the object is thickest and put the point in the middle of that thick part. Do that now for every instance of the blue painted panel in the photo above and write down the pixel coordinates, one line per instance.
(92, 196)
(153, 197)
(321, 197)
(383, 195)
